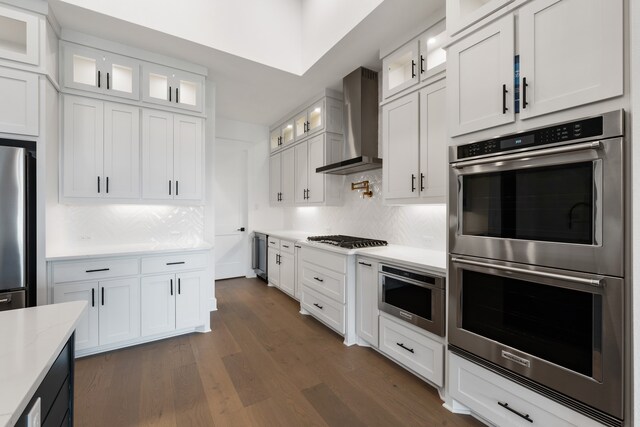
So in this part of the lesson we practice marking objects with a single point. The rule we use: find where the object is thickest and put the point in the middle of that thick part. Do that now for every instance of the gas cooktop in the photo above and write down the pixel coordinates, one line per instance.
(348, 242)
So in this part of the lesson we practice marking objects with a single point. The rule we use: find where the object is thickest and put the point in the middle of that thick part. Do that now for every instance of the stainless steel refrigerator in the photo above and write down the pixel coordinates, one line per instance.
(17, 224)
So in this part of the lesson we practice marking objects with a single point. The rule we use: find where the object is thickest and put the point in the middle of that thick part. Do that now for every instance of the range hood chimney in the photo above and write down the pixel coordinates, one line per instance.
(360, 92)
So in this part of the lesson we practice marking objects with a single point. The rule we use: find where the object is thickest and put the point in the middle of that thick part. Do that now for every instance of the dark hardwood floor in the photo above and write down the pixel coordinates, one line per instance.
(264, 364)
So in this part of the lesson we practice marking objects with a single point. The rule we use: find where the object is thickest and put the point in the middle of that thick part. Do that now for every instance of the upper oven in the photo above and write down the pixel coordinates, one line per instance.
(550, 197)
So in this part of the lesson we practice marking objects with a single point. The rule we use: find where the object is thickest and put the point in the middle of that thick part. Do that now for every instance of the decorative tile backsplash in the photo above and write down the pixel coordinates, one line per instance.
(127, 224)
(422, 226)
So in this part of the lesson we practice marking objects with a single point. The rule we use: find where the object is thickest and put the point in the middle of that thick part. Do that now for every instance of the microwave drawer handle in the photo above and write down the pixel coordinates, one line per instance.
(518, 413)
(594, 145)
(582, 281)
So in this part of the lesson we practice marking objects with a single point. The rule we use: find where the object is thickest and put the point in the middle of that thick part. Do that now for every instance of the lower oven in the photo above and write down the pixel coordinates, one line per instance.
(413, 296)
(561, 331)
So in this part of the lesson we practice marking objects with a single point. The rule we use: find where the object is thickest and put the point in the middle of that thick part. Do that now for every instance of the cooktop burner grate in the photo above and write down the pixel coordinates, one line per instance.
(348, 242)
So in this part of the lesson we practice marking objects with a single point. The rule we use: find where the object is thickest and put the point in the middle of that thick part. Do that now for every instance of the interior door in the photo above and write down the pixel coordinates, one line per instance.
(188, 306)
(157, 155)
(231, 250)
(119, 310)
(158, 304)
(121, 151)
(87, 329)
(315, 188)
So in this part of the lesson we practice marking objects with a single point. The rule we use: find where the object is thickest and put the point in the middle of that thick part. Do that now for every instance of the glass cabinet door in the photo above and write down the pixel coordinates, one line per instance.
(288, 134)
(122, 76)
(189, 90)
(171, 87)
(275, 139)
(400, 69)
(315, 117)
(300, 124)
(19, 36)
(432, 56)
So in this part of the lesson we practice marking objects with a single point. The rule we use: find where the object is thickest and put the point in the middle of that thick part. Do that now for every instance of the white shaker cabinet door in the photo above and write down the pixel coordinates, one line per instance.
(158, 304)
(119, 310)
(19, 102)
(301, 174)
(316, 187)
(275, 188)
(273, 267)
(400, 139)
(433, 142)
(157, 155)
(83, 147)
(187, 151)
(121, 151)
(288, 176)
(367, 300)
(480, 75)
(188, 299)
(287, 273)
(87, 329)
(571, 53)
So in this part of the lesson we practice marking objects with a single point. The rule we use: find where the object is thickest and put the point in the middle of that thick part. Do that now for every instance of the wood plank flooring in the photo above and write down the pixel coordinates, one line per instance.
(264, 364)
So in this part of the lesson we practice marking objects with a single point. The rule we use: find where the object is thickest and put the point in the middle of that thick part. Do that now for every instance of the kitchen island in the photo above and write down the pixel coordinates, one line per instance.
(37, 360)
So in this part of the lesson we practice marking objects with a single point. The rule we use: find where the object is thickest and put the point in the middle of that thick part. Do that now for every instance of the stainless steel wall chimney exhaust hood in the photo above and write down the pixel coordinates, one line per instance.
(360, 92)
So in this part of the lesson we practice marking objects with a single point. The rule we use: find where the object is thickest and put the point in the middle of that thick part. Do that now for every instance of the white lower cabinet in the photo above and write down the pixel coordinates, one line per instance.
(329, 311)
(499, 400)
(127, 305)
(282, 265)
(287, 273)
(113, 312)
(367, 300)
(414, 350)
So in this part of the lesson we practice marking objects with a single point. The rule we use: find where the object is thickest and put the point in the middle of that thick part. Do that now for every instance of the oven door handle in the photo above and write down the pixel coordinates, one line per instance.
(580, 280)
(593, 145)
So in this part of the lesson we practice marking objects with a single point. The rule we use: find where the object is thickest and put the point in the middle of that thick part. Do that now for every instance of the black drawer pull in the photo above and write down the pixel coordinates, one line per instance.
(96, 270)
(299, 247)
(175, 263)
(520, 414)
(410, 350)
(318, 305)
(318, 279)
(285, 246)
(364, 263)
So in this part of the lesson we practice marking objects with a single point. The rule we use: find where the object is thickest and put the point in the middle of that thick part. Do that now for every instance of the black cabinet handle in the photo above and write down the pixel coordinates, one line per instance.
(504, 99)
(102, 296)
(520, 414)
(364, 263)
(413, 183)
(169, 187)
(413, 69)
(179, 287)
(308, 126)
(308, 191)
(410, 350)
(177, 188)
(171, 284)
(177, 96)
(98, 78)
(175, 263)
(96, 270)
(421, 181)
(285, 246)
(524, 92)
(318, 305)
(318, 279)
(107, 81)
(299, 247)
(107, 185)
(240, 229)
(93, 297)
(169, 93)
(98, 184)
(304, 126)
(421, 64)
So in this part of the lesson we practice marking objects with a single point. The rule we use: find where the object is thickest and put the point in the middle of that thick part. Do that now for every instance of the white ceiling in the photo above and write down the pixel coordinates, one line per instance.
(262, 89)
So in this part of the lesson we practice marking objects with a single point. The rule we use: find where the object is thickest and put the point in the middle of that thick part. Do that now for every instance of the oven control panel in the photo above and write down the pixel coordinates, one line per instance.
(549, 135)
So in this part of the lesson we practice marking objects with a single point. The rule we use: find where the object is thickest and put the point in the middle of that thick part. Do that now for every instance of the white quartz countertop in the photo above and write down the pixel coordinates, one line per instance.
(79, 252)
(288, 234)
(432, 260)
(32, 338)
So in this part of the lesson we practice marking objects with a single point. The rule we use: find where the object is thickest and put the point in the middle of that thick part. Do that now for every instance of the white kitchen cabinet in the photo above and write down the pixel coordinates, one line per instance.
(311, 120)
(172, 87)
(488, 395)
(312, 188)
(287, 273)
(281, 178)
(433, 57)
(571, 53)
(172, 151)
(301, 174)
(188, 307)
(101, 147)
(273, 267)
(367, 300)
(432, 184)
(288, 133)
(464, 13)
(400, 70)
(87, 330)
(282, 265)
(19, 36)
(480, 79)
(119, 310)
(275, 139)
(113, 312)
(275, 179)
(100, 72)
(158, 304)
(19, 104)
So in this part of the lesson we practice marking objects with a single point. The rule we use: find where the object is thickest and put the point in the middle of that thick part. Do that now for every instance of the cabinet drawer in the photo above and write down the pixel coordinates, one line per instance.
(324, 309)
(326, 259)
(417, 352)
(273, 243)
(325, 281)
(174, 262)
(287, 246)
(486, 394)
(94, 270)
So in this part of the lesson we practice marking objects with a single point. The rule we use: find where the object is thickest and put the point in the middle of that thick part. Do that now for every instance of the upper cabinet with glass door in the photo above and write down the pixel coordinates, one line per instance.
(172, 87)
(19, 35)
(310, 120)
(100, 72)
(433, 58)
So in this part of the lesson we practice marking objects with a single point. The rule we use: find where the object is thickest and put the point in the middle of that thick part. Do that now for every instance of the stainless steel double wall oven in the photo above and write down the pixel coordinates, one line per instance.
(537, 260)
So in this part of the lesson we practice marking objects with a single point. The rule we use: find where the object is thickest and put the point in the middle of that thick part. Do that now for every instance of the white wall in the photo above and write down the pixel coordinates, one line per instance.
(423, 226)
